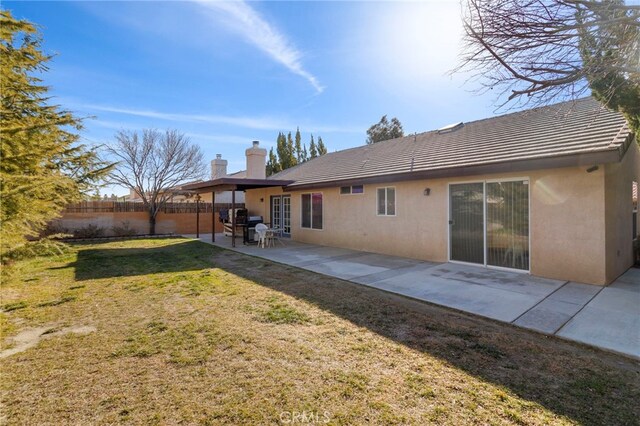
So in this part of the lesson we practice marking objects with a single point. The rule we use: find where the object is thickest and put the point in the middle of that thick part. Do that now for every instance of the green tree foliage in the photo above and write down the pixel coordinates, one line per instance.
(615, 79)
(273, 165)
(281, 151)
(322, 150)
(301, 152)
(43, 166)
(385, 130)
(290, 160)
(537, 52)
(313, 149)
(290, 151)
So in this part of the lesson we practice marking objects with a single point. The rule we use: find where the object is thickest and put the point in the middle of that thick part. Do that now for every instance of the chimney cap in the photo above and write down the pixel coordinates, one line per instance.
(218, 156)
(256, 144)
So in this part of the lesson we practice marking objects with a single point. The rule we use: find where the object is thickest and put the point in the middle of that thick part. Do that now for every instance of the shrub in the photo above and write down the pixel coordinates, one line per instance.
(55, 229)
(40, 248)
(89, 231)
(124, 230)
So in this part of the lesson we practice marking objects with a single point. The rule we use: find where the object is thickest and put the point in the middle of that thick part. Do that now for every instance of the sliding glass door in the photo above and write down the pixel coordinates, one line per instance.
(508, 224)
(489, 223)
(467, 222)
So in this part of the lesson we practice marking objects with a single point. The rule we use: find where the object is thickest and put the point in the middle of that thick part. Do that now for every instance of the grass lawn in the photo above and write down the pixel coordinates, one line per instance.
(167, 331)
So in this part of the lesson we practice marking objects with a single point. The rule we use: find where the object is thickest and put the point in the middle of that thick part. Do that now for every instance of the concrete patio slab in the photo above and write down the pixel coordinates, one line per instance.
(390, 273)
(549, 315)
(606, 317)
(605, 328)
(576, 293)
(510, 281)
(630, 281)
(296, 257)
(364, 265)
(483, 300)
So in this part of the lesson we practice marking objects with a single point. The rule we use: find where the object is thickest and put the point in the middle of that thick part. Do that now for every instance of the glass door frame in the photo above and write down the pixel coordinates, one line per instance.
(282, 214)
(484, 220)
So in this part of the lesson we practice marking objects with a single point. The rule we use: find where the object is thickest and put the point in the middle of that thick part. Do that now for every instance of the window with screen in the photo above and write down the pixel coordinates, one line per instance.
(387, 201)
(312, 211)
(353, 189)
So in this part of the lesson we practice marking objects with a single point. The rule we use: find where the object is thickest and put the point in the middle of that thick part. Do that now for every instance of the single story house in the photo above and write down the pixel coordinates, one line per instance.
(547, 191)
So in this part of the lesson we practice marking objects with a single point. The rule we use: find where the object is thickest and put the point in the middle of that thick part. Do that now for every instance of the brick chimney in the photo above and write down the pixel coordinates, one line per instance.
(256, 161)
(218, 167)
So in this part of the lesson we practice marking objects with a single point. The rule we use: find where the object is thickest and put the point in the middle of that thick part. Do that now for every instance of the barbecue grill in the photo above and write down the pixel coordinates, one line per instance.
(249, 229)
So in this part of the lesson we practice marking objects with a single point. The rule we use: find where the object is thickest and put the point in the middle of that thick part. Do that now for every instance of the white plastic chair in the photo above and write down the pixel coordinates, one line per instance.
(261, 230)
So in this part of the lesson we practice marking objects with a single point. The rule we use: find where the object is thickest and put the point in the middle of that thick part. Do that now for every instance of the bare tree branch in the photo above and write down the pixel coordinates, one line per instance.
(154, 166)
(534, 51)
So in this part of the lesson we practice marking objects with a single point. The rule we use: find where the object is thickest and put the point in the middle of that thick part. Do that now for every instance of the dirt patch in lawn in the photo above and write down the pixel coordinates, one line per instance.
(30, 337)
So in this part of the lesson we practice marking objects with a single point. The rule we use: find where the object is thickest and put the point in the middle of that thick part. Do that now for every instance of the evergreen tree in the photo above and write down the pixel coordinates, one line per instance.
(273, 164)
(281, 150)
(298, 147)
(313, 151)
(322, 150)
(305, 154)
(385, 130)
(290, 159)
(43, 166)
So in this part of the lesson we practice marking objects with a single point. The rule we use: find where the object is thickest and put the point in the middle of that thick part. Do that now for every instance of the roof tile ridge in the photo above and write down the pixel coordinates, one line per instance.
(530, 110)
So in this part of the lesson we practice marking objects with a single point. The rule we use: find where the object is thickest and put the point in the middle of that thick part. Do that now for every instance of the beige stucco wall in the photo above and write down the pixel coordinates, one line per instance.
(618, 211)
(568, 237)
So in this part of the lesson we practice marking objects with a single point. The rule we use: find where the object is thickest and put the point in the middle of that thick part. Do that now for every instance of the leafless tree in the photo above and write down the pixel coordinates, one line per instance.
(535, 51)
(154, 165)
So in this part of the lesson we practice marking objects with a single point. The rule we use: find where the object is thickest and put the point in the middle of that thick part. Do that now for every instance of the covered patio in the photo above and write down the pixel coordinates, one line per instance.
(229, 184)
(605, 317)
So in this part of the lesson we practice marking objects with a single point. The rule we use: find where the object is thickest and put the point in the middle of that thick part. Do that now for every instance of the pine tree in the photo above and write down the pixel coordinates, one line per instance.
(273, 164)
(281, 150)
(298, 147)
(313, 151)
(43, 166)
(305, 154)
(290, 159)
(322, 150)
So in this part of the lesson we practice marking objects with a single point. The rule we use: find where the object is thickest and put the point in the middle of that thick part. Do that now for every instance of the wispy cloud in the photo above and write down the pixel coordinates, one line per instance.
(248, 23)
(260, 123)
(257, 123)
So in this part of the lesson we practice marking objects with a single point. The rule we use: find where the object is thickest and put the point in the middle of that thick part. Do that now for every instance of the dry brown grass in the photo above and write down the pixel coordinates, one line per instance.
(191, 334)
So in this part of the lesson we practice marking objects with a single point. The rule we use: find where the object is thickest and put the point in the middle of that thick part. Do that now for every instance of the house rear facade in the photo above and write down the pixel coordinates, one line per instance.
(546, 191)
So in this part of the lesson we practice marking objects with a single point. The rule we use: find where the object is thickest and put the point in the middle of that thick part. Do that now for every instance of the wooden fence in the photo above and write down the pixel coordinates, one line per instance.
(137, 207)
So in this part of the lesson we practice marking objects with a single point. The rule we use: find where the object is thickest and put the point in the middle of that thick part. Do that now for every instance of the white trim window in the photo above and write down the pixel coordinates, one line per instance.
(353, 189)
(386, 201)
(311, 210)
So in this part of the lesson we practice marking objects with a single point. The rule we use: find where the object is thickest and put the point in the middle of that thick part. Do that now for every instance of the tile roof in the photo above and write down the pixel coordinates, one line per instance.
(560, 130)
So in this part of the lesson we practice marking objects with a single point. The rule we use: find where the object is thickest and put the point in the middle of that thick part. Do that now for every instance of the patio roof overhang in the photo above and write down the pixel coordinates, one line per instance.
(234, 184)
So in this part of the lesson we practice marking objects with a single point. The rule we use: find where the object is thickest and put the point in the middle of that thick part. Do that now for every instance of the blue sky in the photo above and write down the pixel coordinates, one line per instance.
(232, 72)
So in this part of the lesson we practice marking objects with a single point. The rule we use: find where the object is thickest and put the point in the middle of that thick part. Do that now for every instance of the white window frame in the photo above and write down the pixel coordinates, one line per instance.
(311, 228)
(350, 190)
(395, 201)
(484, 226)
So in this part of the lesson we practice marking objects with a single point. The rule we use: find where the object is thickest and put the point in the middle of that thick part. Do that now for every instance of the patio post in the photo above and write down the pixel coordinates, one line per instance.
(213, 216)
(198, 216)
(233, 218)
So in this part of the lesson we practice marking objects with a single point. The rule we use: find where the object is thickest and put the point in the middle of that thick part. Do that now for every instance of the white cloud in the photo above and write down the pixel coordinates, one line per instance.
(256, 123)
(248, 23)
(260, 123)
